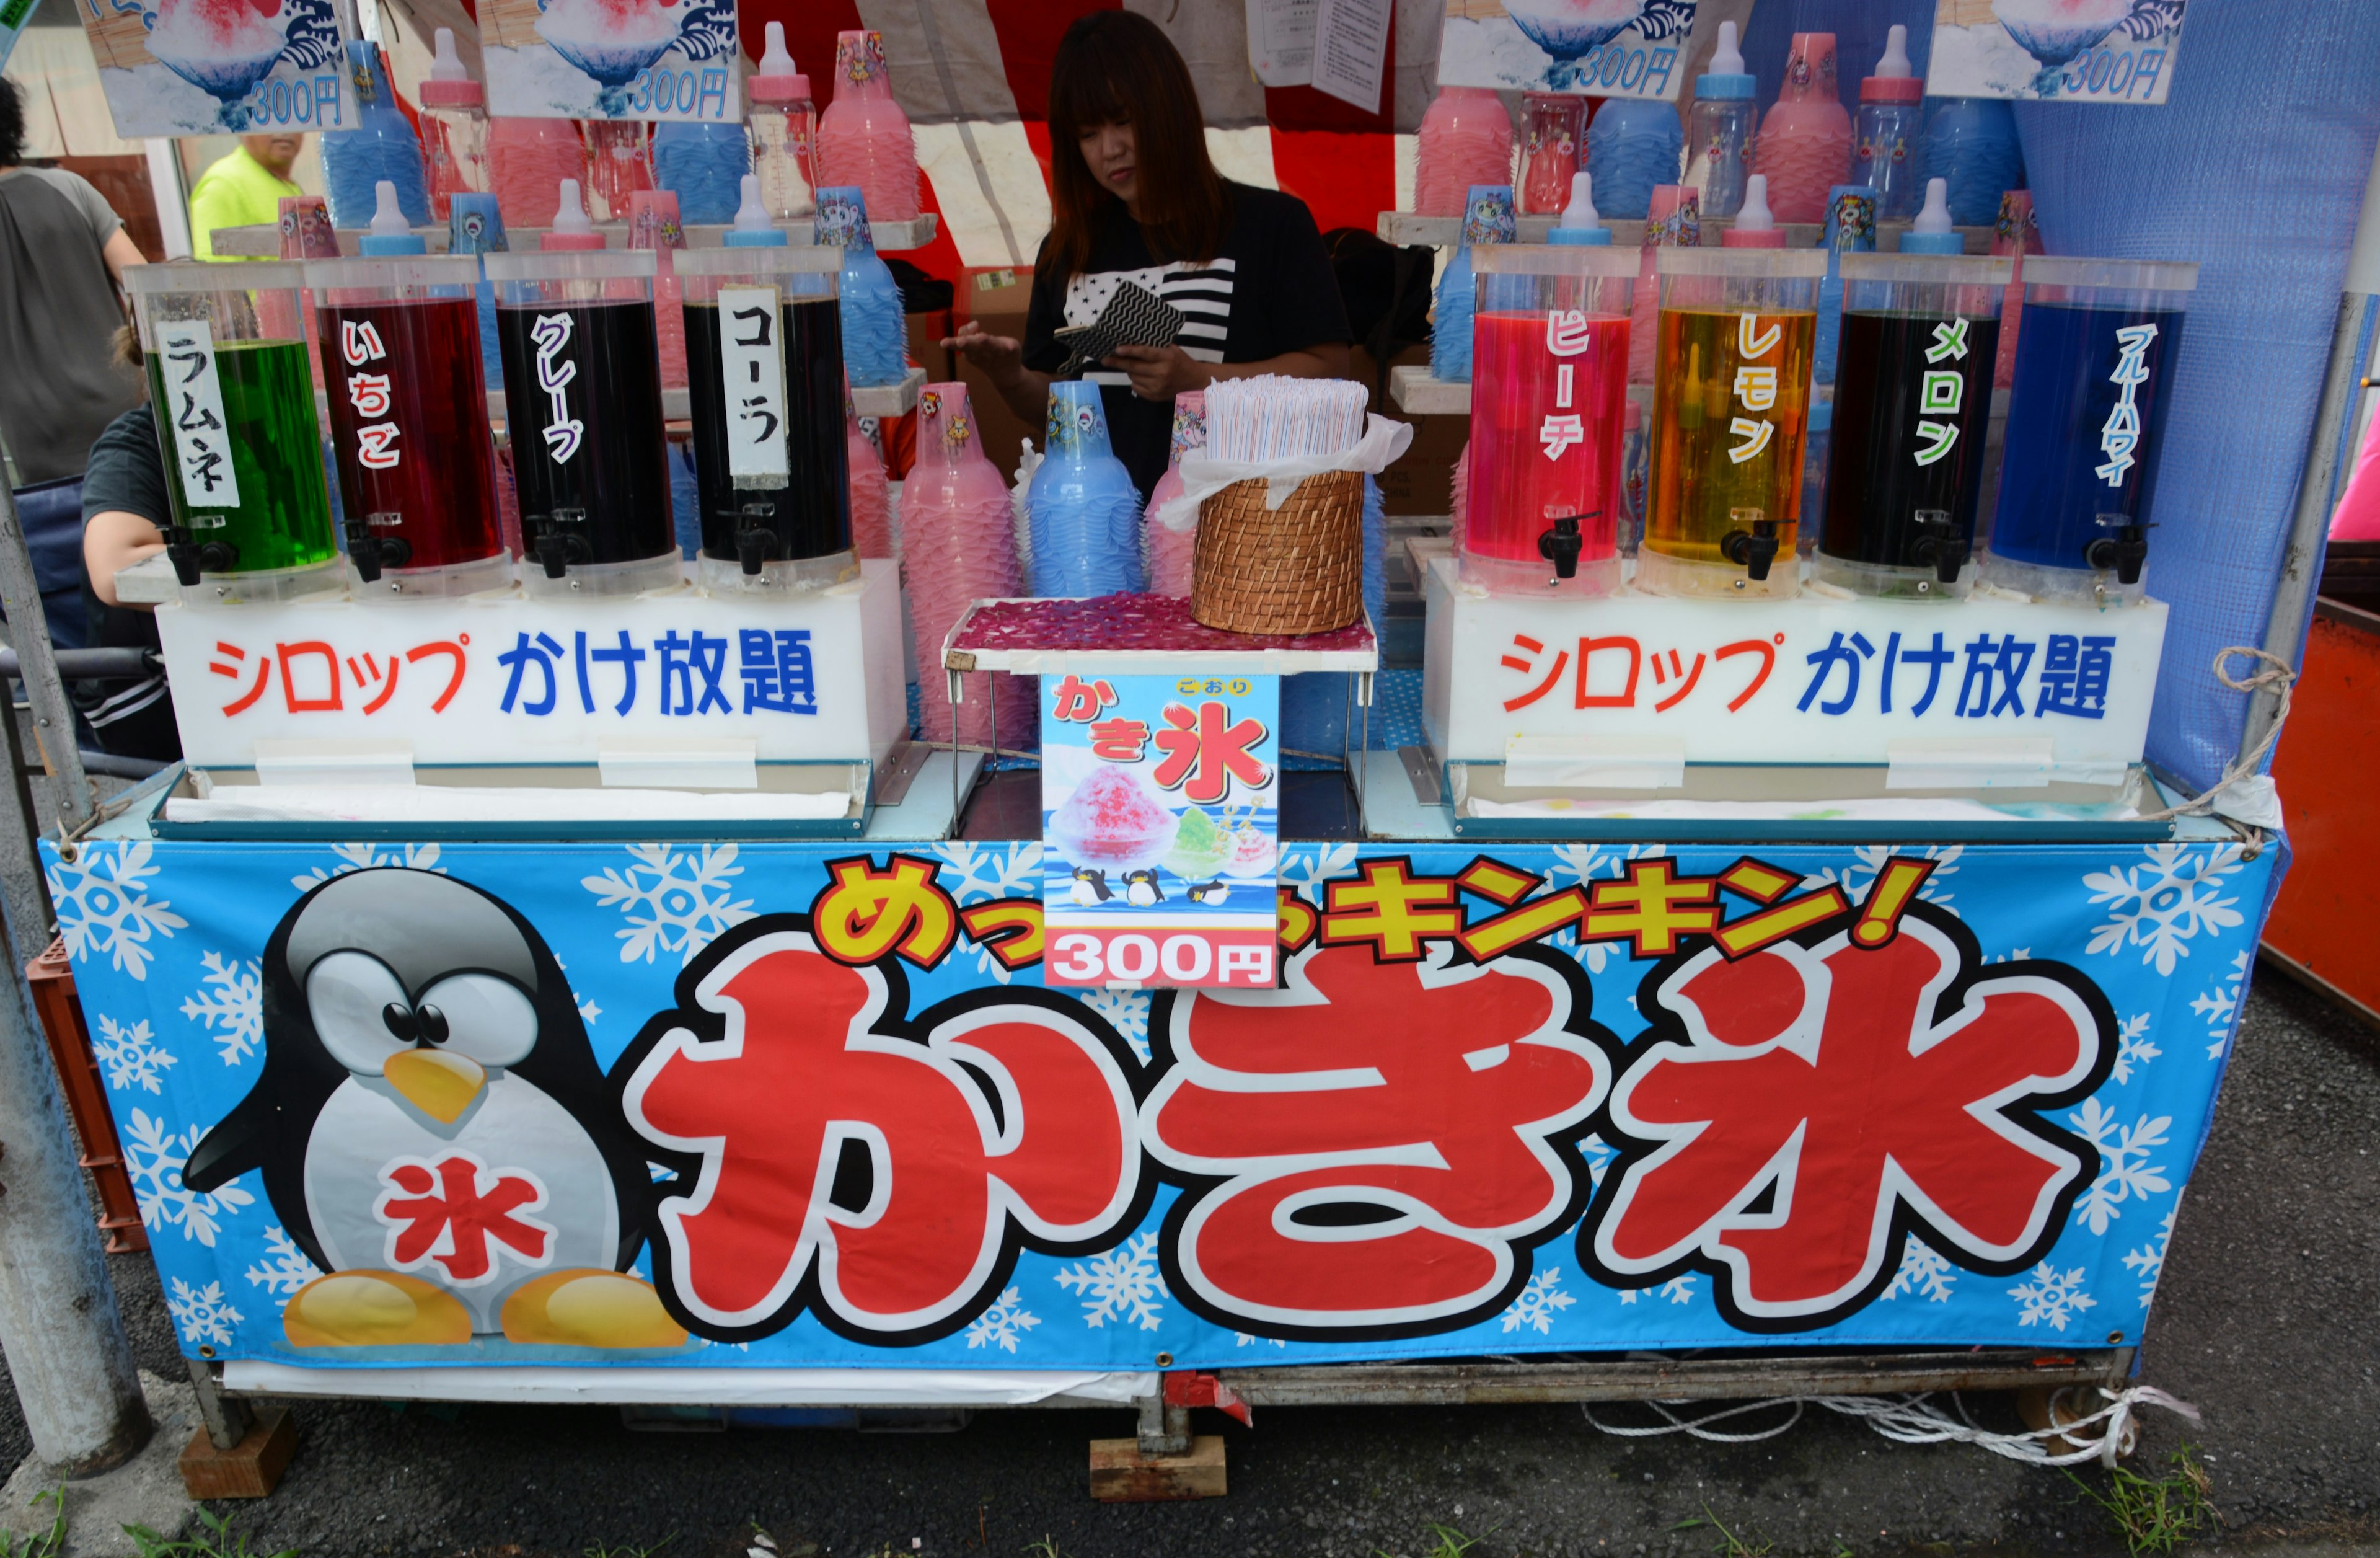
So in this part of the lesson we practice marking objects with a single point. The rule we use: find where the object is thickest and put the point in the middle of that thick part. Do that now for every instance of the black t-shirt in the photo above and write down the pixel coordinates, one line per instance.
(126, 473)
(1269, 289)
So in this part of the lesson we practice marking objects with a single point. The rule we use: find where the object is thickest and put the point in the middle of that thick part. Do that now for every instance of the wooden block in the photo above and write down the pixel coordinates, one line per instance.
(250, 1469)
(1121, 1474)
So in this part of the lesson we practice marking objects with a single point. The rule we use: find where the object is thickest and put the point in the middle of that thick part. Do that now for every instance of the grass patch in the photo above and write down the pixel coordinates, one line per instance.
(600, 1551)
(1730, 1545)
(2155, 1514)
(39, 1544)
(215, 1540)
(1451, 1543)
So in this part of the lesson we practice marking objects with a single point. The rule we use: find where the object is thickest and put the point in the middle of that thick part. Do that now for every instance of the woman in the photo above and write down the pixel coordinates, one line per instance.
(1134, 199)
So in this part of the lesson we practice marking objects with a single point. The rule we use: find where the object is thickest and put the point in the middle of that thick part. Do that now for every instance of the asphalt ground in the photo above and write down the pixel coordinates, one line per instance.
(2268, 1320)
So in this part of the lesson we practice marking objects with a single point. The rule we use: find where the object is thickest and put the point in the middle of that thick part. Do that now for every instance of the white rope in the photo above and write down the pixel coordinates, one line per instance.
(1915, 1420)
(2279, 674)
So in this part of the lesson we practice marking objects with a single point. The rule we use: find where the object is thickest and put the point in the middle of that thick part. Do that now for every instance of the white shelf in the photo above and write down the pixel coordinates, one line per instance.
(889, 400)
(1404, 226)
(264, 240)
(1412, 390)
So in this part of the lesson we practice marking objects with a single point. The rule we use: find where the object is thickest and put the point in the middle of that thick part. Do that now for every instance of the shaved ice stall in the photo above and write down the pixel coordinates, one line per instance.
(1732, 912)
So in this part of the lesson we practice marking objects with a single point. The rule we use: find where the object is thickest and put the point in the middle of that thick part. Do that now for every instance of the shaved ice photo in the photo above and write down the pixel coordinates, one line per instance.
(2091, 50)
(613, 59)
(211, 66)
(1608, 47)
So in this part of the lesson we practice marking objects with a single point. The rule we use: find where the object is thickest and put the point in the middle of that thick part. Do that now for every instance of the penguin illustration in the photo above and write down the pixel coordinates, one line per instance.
(1209, 891)
(434, 1128)
(1140, 887)
(1090, 886)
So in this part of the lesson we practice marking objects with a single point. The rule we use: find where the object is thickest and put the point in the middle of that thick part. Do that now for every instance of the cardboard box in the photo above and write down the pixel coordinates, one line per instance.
(996, 297)
(1423, 481)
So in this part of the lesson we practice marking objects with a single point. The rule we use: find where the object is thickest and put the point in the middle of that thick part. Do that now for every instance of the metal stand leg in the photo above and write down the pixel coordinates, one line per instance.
(226, 1416)
(1164, 1430)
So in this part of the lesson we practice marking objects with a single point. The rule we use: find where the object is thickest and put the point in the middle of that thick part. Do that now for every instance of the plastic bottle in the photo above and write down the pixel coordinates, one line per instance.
(1557, 134)
(453, 128)
(958, 545)
(381, 146)
(1886, 136)
(1805, 142)
(1850, 229)
(1487, 218)
(863, 137)
(1755, 225)
(526, 158)
(1581, 223)
(1971, 141)
(1082, 508)
(783, 124)
(1719, 139)
(703, 165)
(1634, 144)
(619, 164)
(654, 223)
(875, 331)
(1466, 139)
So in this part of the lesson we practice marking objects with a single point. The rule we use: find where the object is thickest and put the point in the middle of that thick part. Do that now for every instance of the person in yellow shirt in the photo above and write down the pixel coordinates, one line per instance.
(243, 189)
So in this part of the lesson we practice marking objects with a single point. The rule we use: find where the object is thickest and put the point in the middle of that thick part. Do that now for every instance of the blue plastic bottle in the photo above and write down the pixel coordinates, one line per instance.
(704, 166)
(875, 332)
(1082, 508)
(1633, 144)
(1970, 142)
(1885, 133)
(1488, 218)
(382, 147)
(1719, 145)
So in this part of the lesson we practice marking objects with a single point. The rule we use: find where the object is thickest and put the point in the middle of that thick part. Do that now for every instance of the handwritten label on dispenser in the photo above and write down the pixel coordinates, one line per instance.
(201, 445)
(752, 365)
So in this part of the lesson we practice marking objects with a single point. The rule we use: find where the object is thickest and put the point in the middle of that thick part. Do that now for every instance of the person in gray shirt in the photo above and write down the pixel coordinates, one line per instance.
(62, 256)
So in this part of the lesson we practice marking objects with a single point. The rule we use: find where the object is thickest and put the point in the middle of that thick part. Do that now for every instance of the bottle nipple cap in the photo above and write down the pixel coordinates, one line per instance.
(571, 229)
(1581, 223)
(1892, 81)
(449, 85)
(777, 79)
(1725, 76)
(1755, 225)
(446, 65)
(753, 229)
(390, 232)
(1932, 232)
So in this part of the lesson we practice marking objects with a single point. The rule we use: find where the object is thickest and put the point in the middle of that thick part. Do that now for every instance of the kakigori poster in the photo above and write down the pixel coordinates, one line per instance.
(612, 59)
(216, 67)
(2083, 51)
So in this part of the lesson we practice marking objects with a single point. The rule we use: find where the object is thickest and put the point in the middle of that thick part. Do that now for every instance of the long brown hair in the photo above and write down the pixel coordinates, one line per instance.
(1119, 67)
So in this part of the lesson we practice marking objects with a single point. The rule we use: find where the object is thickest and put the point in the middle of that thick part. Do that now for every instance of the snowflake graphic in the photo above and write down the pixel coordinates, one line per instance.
(1127, 1012)
(1241, 1339)
(2134, 1047)
(131, 1054)
(2126, 1172)
(2164, 906)
(2148, 1261)
(363, 857)
(1677, 1290)
(1868, 859)
(587, 1008)
(1540, 1303)
(1582, 863)
(1001, 1324)
(2050, 1299)
(2221, 1006)
(204, 1313)
(1598, 1154)
(285, 1269)
(1925, 1272)
(153, 1156)
(1120, 1284)
(236, 1001)
(992, 870)
(104, 906)
(674, 900)
(1309, 866)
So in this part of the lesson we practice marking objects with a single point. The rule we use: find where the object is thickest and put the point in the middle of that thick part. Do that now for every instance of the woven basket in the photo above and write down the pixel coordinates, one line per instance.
(1285, 571)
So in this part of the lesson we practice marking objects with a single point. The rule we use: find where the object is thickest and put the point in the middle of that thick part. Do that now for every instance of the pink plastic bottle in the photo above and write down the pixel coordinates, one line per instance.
(1466, 139)
(1675, 218)
(2018, 236)
(619, 164)
(958, 544)
(783, 127)
(1805, 142)
(864, 138)
(454, 129)
(653, 224)
(1166, 555)
(526, 159)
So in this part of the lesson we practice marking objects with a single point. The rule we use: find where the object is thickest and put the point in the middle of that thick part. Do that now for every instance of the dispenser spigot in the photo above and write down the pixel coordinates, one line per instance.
(1939, 545)
(2125, 551)
(1562, 545)
(372, 552)
(1751, 550)
(755, 542)
(559, 543)
(183, 553)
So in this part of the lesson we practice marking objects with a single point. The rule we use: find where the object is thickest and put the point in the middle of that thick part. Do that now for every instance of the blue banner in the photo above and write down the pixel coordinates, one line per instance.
(790, 1105)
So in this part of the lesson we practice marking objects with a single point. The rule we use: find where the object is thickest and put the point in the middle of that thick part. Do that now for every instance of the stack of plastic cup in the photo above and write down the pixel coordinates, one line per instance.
(875, 331)
(1466, 139)
(863, 137)
(1167, 555)
(704, 166)
(957, 545)
(1634, 146)
(653, 224)
(2017, 236)
(1488, 218)
(526, 159)
(1675, 221)
(382, 147)
(1805, 142)
(1972, 142)
(1850, 229)
(1084, 510)
(872, 490)
(619, 163)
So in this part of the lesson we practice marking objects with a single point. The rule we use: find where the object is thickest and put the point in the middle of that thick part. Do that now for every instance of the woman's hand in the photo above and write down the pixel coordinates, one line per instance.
(1160, 372)
(1002, 356)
